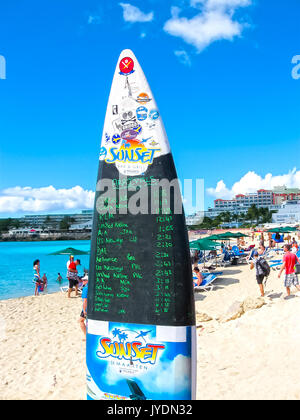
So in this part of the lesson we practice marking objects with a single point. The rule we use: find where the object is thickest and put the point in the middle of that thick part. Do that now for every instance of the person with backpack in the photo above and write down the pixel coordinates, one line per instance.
(262, 268)
(289, 262)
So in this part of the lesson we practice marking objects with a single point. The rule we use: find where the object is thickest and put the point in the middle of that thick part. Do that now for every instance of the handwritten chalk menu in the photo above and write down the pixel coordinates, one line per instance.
(140, 268)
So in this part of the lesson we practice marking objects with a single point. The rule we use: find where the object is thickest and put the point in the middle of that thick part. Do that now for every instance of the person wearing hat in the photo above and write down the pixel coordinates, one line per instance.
(73, 277)
(84, 296)
(257, 264)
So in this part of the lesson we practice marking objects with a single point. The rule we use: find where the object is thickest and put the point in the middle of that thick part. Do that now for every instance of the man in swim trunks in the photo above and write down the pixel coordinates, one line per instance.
(73, 277)
(289, 262)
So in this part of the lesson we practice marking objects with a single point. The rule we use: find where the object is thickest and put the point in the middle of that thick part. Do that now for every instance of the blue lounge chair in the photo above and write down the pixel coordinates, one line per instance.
(226, 260)
(237, 252)
(207, 284)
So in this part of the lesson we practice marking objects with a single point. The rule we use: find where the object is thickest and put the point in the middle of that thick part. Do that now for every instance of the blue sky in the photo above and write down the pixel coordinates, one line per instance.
(221, 72)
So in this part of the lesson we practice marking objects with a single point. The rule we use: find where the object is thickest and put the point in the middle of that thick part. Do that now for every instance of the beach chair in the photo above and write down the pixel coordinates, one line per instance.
(241, 255)
(207, 284)
(64, 289)
(226, 259)
(250, 248)
(250, 257)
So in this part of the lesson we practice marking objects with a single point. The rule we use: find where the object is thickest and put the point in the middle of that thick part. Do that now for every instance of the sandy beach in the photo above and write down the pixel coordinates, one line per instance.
(252, 357)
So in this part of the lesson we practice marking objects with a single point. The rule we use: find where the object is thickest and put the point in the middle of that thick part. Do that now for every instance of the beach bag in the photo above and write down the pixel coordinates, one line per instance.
(297, 268)
(265, 267)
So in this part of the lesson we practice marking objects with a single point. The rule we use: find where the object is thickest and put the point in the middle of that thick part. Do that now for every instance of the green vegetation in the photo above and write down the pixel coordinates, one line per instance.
(66, 223)
(7, 224)
(253, 217)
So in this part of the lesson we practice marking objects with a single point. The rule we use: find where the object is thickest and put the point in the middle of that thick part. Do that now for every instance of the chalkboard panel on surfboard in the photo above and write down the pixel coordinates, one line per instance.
(141, 314)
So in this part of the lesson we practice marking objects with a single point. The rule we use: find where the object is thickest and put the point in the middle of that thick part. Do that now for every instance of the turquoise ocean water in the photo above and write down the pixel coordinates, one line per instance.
(16, 265)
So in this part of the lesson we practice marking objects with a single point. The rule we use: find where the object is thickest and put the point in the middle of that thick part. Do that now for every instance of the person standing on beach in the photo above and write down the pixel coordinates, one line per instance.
(289, 262)
(262, 239)
(83, 315)
(70, 261)
(36, 277)
(259, 263)
(73, 277)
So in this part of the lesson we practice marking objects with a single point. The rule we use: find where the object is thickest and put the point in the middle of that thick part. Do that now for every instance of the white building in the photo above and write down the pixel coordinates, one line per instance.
(24, 232)
(82, 226)
(40, 220)
(289, 213)
(194, 219)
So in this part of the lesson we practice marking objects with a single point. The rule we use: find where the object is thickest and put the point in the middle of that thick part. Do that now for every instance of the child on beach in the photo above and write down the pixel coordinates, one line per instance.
(83, 314)
(45, 282)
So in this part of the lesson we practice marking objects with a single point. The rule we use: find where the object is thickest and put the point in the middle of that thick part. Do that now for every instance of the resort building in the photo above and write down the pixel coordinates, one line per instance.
(281, 199)
(82, 226)
(41, 220)
(289, 213)
(271, 199)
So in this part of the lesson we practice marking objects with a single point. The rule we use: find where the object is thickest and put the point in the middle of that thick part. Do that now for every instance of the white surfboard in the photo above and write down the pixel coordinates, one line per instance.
(141, 341)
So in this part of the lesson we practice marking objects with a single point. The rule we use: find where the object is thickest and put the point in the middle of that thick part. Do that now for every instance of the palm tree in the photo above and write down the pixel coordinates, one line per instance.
(116, 332)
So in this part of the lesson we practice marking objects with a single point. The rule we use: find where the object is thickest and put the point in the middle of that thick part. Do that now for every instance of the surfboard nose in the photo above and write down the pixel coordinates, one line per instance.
(127, 51)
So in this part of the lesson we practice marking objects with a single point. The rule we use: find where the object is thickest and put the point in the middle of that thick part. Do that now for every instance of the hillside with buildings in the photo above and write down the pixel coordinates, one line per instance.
(48, 227)
(282, 202)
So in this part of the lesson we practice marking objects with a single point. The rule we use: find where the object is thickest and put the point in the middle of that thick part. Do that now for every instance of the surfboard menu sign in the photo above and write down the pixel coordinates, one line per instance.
(141, 336)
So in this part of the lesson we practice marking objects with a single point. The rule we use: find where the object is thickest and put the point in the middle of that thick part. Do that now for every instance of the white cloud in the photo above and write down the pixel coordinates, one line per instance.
(218, 4)
(251, 182)
(213, 22)
(27, 199)
(94, 20)
(183, 57)
(173, 378)
(133, 14)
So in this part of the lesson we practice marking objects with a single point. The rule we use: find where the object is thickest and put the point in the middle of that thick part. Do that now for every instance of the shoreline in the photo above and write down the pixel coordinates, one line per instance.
(84, 237)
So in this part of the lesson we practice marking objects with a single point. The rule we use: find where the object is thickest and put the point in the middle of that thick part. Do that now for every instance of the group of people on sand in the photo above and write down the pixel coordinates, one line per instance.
(41, 283)
(290, 260)
(75, 282)
(262, 268)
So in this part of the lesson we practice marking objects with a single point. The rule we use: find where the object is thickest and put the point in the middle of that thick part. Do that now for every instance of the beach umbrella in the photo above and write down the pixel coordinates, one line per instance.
(202, 245)
(213, 238)
(230, 235)
(70, 251)
(290, 229)
(274, 230)
(242, 235)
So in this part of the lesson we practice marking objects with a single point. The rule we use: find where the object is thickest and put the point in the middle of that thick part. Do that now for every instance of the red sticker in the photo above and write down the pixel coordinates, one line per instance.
(126, 65)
